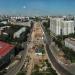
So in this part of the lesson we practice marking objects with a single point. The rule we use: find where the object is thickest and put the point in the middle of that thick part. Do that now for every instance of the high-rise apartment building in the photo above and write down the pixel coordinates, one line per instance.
(59, 25)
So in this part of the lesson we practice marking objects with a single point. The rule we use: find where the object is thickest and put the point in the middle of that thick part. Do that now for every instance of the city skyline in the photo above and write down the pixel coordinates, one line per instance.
(37, 7)
(37, 37)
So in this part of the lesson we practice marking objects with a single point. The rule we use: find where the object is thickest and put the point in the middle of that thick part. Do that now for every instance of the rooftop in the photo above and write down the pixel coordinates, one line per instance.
(71, 41)
(5, 48)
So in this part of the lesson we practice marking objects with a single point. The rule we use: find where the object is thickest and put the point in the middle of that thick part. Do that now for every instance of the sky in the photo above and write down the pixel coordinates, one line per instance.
(37, 7)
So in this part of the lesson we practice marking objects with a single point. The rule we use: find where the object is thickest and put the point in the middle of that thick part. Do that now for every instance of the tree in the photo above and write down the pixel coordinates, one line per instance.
(36, 67)
(37, 19)
(32, 23)
(21, 73)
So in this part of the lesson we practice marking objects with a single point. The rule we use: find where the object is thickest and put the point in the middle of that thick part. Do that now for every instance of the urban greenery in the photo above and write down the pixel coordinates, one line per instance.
(69, 53)
(21, 73)
(37, 19)
(47, 26)
(9, 36)
(10, 33)
(48, 71)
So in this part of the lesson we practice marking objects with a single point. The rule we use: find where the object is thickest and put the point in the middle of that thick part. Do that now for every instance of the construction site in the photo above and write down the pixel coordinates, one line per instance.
(37, 61)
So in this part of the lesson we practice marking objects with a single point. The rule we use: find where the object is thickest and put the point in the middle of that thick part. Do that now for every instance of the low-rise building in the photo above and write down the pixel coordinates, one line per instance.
(4, 22)
(18, 33)
(7, 52)
(70, 43)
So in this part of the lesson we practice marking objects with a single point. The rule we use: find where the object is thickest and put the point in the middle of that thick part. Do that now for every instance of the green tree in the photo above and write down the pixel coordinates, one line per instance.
(21, 73)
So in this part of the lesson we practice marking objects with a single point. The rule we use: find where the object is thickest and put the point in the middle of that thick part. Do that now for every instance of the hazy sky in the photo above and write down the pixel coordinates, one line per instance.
(37, 7)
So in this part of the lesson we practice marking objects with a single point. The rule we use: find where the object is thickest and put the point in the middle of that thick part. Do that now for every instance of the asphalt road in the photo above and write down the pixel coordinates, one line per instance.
(14, 70)
(57, 66)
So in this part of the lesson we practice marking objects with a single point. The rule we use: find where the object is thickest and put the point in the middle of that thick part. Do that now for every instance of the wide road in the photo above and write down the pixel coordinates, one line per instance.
(17, 67)
(55, 63)
(14, 70)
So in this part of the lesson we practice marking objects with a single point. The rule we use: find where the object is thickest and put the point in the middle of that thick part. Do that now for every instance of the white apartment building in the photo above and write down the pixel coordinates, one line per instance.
(67, 27)
(55, 25)
(58, 24)
(17, 34)
(70, 43)
(4, 22)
